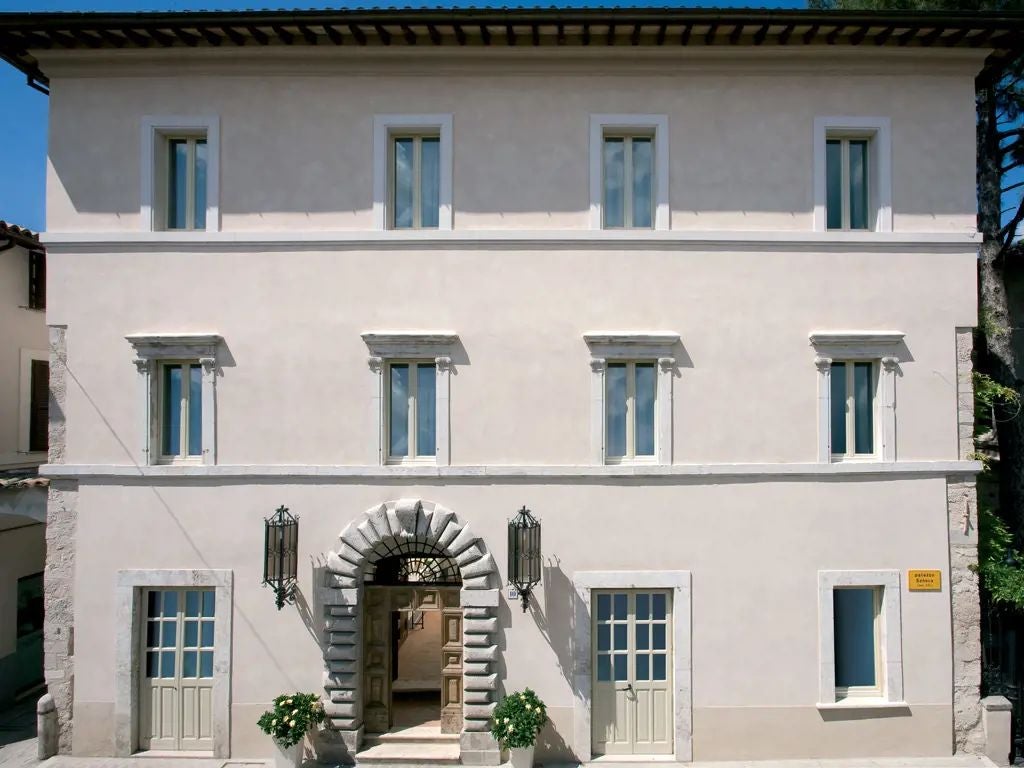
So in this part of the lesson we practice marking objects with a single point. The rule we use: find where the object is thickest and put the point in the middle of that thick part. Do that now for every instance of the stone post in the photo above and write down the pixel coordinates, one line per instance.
(996, 712)
(47, 729)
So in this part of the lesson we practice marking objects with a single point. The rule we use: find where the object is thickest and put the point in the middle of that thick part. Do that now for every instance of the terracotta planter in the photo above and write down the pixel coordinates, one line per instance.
(287, 757)
(521, 757)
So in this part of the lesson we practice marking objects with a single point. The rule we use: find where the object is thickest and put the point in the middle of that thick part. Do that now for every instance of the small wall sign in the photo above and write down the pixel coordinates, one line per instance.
(513, 593)
(921, 580)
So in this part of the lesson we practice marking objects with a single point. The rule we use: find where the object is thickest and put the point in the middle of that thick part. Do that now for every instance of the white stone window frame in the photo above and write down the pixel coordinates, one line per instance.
(584, 583)
(890, 641)
(858, 346)
(130, 613)
(156, 129)
(879, 132)
(25, 398)
(630, 123)
(150, 351)
(412, 347)
(625, 347)
(386, 126)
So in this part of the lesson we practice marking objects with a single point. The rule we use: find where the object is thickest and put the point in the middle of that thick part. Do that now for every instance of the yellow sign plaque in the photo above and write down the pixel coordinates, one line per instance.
(921, 580)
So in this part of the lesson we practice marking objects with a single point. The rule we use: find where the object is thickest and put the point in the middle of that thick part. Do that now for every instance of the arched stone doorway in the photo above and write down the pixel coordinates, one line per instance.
(372, 540)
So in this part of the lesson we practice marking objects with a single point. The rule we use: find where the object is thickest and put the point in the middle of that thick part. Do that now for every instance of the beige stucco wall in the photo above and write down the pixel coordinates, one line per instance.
(297, 132)
(21, 329)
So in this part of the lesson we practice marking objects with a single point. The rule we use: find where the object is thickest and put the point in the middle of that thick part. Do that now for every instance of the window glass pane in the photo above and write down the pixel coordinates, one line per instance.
(195, 410)
(171, 430)
(834, 184)
(177, 190)
(659, 666)
(646, 392)
(838, 405)
(430, 181)
(643, 606)
(191, 604)
(615, 407)
(152, 664)
(152, 634)
(620, 606)
(658, 631)
(403, 183)
(168, 634)
(659, 606)
(863, 415)
(643, 635)
(620, 637)
(604, 668)
(604, 637)
(200, 193)
(399, 428)
(167, 664)
(188, 664)
(207, 634)
(191, 639)
(29, 612)
(643, 182)
(171, 603)
(208, 603)
(206, 663)
(154, 603)
(604, 607)
(854, 636)
(620, 667)
(614, 182)
(643, 667)
(426, 410)
(859, 184)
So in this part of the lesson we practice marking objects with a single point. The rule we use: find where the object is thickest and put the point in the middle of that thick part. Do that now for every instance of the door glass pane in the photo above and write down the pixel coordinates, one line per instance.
(620, 637)
(171, 603)
(621, 672)
(643, 667)
(399, 429)
(658, 631)
(152, 634)
(195, 410)
(859, 184)
(838, 406)
(604, 668)
(659, 666)
(621, 605)
(659, 603)
(171, 427)
(834, 184)
(207, 634)
(604, 637)
(863, 414)
(430, 181)
(200, 192)
(646, 391)
(154, 603)
(167, 664)
(177, 189)
(191, 639)
(643, 606)
(152, 664)
(188, 664)
(615, 405)
(643, 182)
(403, 183)
(168, 636)
(642, 637)
(854, 612)
(206, 663)
(614, 182)
(604, 607)
(426, 410)
(191, 604)
(208, 603)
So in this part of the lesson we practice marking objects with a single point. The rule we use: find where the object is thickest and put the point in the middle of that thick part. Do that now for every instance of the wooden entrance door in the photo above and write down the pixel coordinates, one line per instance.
(451, 662)
(632, 669)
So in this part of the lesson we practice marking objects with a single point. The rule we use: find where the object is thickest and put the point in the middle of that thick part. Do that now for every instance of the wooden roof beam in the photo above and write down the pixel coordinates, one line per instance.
(811, 33)
(283, 34)
(662, 32)
(138, 39)
(561, 34)
(982, 38)
(510, 35)
(684, 37)
(408, 34)
(709, 38)
(956, 37)
(610, 39)
(761, 34)
(460, 33)
(736, 34)
(309, 35)
(907, 36)
(435, 36)
(634, 38)
(383, 34)
(109, 37)
(586, 34)
(485, 34)
(858, 37)
(832, 36)
(884, 35)
(932, 37)
(210, 36)
(535, 34)
(786, 33)
(85, 38)
(233, 34)
(357, 33)
(258, 35)
(186, 37)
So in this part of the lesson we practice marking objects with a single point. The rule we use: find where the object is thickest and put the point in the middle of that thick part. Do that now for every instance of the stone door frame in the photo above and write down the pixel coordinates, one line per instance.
(361, 543)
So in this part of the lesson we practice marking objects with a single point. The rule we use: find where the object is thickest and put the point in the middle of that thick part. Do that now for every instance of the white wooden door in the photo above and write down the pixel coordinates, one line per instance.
(632, 672)
(177, 670)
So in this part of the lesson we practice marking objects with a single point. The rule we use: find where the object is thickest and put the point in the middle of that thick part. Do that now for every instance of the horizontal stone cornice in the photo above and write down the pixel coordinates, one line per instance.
(579, 474)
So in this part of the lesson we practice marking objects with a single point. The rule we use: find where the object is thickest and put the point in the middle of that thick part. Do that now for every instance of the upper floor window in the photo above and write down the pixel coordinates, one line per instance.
(412, 411)
(180, 173)
(412, 171)
(181, 410)
(631, 393)
(853, 407)
(416, 181)
(852, 174)
(629, 172)
(858, 652)
(34, 401)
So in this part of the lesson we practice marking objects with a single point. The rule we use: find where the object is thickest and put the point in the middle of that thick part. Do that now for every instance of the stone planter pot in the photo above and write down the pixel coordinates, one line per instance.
(287, 757)
(521, 757)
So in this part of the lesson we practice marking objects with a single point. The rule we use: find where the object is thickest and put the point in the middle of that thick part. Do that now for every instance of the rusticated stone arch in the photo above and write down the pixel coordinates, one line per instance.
(367, 538)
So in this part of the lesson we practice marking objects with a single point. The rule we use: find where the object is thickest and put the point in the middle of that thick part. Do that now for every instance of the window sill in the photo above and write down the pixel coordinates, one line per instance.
(861, 459)
(643, 461)
(419, 461)
(862, 703)
(168, 461)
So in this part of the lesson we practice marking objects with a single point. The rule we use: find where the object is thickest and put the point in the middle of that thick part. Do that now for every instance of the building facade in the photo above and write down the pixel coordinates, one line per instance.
(696, 288)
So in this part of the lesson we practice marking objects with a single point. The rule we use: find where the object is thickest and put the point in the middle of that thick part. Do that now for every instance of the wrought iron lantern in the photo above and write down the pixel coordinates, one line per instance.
(524, 558)
(281, 555)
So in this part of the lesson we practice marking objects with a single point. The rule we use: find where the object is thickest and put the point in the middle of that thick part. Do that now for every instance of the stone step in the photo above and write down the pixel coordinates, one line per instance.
(409, 753)
(412, 736)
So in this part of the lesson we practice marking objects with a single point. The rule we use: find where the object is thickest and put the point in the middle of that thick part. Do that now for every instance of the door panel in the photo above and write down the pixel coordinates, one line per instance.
(632, 668)
(451, 663)
(377, 660)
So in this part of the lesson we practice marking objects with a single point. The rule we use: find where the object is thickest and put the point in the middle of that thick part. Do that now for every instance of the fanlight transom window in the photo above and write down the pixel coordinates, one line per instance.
(413, 562)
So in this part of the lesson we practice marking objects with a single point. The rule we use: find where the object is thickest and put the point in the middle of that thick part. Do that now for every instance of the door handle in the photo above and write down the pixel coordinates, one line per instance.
(629, 687)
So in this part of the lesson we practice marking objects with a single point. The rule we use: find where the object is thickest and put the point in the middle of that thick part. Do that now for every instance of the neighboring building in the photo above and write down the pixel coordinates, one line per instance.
(24, 398)
(696, 287)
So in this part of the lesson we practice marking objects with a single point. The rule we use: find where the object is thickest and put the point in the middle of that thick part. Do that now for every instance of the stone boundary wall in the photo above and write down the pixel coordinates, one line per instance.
(962, 509)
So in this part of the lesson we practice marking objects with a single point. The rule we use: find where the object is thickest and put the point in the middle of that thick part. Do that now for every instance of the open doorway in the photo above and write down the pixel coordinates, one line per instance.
(416, 669)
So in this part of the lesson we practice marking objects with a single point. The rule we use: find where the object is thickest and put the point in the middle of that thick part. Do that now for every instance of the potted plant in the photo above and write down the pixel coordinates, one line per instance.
(292, 716)
(516, 723)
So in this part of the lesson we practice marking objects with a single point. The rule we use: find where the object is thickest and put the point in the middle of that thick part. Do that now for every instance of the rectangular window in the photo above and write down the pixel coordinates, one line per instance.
(415, 181)
(853, 408)
(846, 183)
(630, 397)
(858, 658)
(186, 182)
(412, 411)
(37, 280)
(181, 410)
(39, 406)
(628, 181)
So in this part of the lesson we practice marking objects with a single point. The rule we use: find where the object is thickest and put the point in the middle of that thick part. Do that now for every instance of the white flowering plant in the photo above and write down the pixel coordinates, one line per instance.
(292, 716)
(518, 719)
